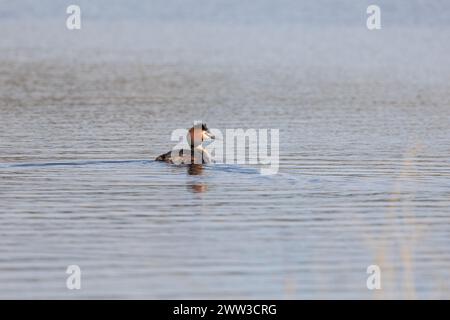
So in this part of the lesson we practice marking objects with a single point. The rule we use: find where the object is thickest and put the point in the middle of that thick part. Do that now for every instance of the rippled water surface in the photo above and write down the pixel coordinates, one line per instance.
(364, 173)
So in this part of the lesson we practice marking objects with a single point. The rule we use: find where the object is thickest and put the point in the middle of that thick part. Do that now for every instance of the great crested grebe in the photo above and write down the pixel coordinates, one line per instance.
(197, 154)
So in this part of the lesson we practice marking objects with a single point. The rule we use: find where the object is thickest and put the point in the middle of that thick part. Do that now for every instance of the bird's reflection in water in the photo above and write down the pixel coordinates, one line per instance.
(196, 186)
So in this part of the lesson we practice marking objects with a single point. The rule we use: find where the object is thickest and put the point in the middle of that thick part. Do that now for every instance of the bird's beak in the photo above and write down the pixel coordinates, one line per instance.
(208, 135)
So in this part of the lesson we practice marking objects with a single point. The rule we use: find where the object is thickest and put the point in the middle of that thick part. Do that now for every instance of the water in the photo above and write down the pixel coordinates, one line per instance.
(364, 157)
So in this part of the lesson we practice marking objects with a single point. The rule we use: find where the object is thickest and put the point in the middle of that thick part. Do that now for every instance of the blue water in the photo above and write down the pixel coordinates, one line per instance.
(364, 172)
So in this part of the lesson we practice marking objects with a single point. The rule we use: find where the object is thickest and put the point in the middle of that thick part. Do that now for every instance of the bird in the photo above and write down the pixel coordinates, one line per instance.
(197, 154)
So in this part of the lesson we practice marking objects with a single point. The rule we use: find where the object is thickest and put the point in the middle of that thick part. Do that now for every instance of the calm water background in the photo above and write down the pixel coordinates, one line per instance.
(364, 120)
